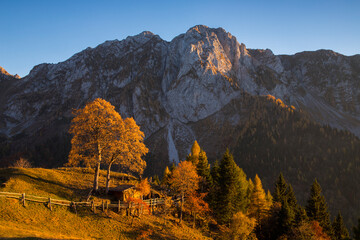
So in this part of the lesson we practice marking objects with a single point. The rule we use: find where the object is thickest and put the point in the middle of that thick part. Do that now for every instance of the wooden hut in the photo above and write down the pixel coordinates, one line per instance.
(124, 191)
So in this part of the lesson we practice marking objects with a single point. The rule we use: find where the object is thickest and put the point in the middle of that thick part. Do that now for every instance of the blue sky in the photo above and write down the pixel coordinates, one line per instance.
(38, 31)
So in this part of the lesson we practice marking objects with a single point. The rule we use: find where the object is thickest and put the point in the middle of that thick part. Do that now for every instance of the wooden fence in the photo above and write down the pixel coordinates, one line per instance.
(130, 206)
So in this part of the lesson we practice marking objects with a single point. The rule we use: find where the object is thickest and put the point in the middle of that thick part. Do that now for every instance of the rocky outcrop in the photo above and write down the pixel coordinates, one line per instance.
(169, 87)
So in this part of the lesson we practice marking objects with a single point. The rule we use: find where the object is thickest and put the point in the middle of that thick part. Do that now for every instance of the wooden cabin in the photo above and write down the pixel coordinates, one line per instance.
(124, 191)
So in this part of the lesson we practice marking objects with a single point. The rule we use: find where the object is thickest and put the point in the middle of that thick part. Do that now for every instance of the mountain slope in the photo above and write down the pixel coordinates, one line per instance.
(200, 86)
(166, 86)
(38, 222)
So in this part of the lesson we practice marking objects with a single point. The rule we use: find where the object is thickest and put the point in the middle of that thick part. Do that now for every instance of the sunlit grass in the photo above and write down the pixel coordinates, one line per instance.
(37, 221)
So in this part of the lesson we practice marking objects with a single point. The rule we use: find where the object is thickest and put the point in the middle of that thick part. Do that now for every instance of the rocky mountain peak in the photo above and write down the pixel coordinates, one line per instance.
(167, 86)
(5, 73)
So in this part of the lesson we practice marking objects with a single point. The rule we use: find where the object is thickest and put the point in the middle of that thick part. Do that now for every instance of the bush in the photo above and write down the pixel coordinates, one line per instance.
(22, 163)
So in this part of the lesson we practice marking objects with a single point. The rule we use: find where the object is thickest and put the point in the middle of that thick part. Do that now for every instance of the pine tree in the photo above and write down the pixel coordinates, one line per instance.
(291, 199)
(259, 206)
(280, 189)
(286, 218)
(317, 209)
(356, 230)
(340, 230)
(215, 172)
(231, 189)
(203, 170)
(300, 215)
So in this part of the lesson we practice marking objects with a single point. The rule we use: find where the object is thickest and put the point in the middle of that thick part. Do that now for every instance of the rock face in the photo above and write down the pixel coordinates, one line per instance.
(169, 87)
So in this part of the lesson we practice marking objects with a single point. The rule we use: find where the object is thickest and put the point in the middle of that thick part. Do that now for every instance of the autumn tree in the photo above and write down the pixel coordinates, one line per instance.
(185, 181)
(241, 226)
(100, 135)
(144, 187)
(128, 149)
(197, 206)
(317, 209)
(307, 231)
(194, 154)
(166, 176)
(93, 130)
(259, 206)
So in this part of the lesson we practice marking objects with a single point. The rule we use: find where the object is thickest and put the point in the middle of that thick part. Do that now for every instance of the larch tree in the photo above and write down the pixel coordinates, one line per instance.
(194, 154)
(166, 176)
(259, 207)
(185, 181)
(317, 209)
(93, 130)
(241, 226)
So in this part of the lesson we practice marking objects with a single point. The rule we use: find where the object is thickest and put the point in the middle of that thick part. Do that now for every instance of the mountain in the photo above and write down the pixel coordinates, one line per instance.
(203, 85)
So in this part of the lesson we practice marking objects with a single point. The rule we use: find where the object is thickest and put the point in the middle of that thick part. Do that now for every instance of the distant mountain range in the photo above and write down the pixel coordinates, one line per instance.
(192, 88)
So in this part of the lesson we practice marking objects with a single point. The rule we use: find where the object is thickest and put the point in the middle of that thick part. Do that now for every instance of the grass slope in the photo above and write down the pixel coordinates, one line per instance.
(38, 222)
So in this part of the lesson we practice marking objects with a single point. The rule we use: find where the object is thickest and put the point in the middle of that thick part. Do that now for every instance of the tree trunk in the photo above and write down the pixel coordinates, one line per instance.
(108, 178)
(97, 171)
(181, 206)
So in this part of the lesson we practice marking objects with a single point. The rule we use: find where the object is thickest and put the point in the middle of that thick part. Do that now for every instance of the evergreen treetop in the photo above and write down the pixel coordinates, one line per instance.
(340, 230)
(231, 189)
(203, 170)
(280, 189)
(317, 209)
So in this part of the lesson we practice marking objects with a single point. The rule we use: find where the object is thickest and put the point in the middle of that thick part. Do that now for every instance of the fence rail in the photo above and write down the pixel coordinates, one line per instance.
(94, 205)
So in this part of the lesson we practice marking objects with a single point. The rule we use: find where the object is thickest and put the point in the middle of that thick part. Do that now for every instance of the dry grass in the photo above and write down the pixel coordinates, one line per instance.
(38, 222)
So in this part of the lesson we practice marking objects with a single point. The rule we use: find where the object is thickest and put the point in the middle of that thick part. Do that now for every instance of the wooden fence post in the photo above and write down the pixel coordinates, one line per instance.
(93, 206)
(50, 207)
(153, 206)
(73, 205)
(107, 206)
(118, 206)
(103, 205)
(23, 199)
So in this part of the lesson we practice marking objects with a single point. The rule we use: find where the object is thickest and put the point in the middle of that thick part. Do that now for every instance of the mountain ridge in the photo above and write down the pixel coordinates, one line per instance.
(202, 85)
(191, 77)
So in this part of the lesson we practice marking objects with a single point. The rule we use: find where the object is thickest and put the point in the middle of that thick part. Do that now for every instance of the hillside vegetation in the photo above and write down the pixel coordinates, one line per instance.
(37, 221)
(277, 138)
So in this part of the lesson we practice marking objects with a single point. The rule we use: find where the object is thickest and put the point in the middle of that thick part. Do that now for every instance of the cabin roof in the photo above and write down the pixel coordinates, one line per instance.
(122, 188)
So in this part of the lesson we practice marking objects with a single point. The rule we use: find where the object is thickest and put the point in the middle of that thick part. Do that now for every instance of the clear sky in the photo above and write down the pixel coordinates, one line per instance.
(38, 31)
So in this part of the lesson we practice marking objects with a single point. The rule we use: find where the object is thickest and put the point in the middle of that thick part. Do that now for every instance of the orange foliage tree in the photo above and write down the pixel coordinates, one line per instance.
(93, 130)
(144, 187)
(196, 205)
(185, 181)
(259, 206)
(100, 135)
(127, 150)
